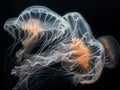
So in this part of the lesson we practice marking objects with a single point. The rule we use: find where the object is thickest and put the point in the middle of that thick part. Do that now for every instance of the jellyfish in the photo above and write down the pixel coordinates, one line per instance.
(67, 40)
(112, 50)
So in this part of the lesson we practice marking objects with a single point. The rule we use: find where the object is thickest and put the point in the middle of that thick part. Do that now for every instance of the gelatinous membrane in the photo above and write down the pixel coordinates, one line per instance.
(36, 20)
(36, 24)
(66, 39)
(86, 54)
(112, 50)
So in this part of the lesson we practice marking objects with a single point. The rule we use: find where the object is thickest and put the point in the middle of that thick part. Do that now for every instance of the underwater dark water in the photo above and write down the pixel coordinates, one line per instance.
(103, 16)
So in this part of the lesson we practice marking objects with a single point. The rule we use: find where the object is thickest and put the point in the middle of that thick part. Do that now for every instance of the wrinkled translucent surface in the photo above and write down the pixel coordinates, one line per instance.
(66, 39)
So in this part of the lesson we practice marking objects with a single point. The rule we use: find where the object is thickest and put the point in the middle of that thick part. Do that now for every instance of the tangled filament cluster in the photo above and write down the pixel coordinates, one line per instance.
(67, 39)
(82, 52)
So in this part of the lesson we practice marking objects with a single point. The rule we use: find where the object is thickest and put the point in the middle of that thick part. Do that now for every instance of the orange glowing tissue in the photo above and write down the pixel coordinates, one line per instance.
(48, 38)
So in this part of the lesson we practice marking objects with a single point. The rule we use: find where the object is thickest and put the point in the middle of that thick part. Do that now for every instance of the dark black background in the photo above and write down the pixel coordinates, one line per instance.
(102, 15)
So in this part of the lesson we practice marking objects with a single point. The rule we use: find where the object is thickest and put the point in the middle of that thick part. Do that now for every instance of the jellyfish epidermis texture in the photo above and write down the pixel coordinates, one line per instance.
(67, 40)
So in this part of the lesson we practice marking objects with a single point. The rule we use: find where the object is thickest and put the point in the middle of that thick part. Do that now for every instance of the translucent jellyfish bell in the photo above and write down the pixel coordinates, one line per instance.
(36, 24)
(35, 19)
(86, 54)
(112, 50)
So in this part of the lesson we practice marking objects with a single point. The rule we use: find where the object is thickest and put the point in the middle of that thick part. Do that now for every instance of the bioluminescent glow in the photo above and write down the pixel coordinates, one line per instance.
(67, 40)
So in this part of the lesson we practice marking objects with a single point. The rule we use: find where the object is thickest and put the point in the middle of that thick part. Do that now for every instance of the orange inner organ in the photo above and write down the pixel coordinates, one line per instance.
(82, 52)
(32, 25)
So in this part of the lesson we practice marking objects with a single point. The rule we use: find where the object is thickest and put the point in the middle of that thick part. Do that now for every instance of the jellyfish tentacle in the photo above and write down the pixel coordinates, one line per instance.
(48, 39)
